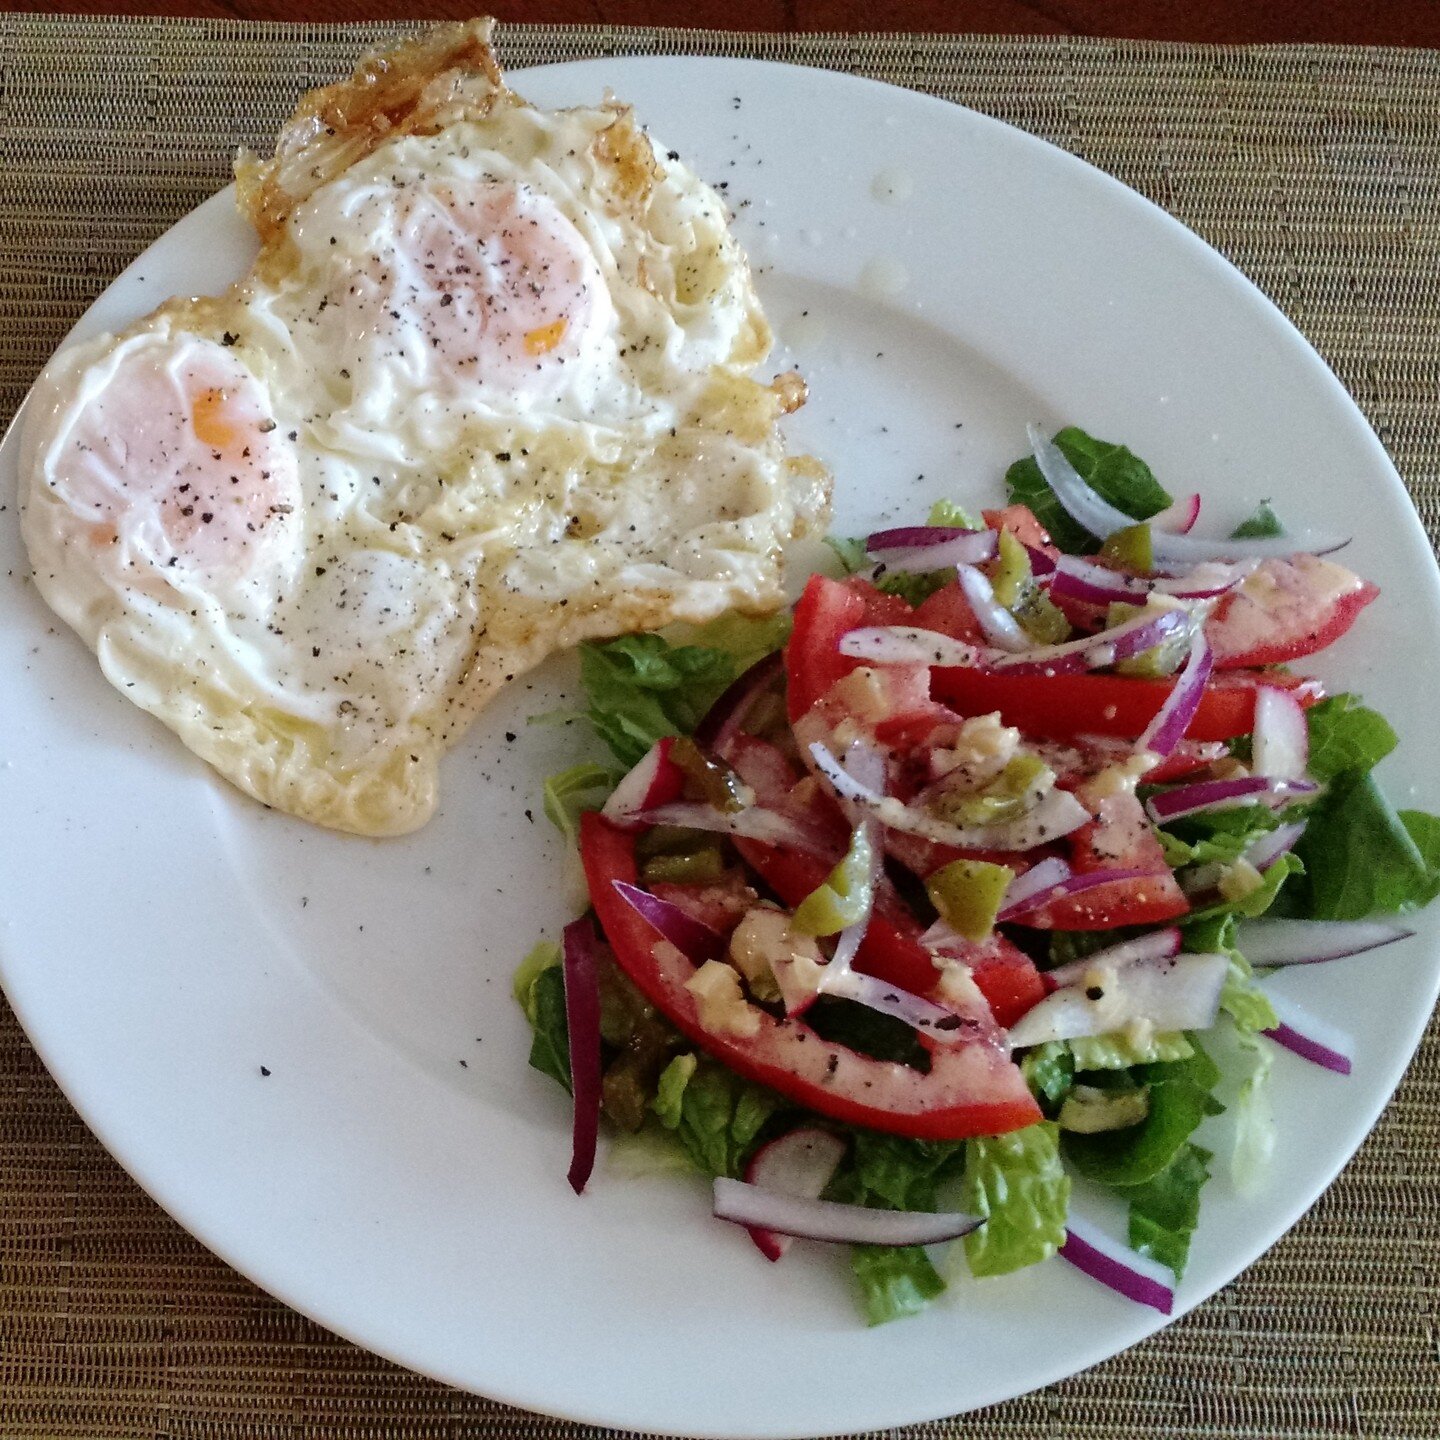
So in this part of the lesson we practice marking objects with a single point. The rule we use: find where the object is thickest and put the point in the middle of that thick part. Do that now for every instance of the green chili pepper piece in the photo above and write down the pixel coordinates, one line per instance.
(1132, 548)
(844, 897)
(968, 895)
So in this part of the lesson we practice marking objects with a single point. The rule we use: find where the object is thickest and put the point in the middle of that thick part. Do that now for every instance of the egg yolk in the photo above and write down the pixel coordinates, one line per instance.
(492, 287)
(174, 460)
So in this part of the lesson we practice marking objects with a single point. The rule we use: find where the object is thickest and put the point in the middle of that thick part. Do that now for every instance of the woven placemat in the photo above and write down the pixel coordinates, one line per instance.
(1316, 170)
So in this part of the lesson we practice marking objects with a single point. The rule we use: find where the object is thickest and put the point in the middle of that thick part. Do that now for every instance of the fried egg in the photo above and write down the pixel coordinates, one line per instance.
(488, 390)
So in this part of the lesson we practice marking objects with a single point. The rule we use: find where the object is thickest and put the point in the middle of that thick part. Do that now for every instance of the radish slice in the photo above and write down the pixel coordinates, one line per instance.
(1180, 518)
(727, 715)
(1070, 885)
(1057, 814)
(1309, 942)
(1167, 729)
(1001, 628)
(1102, 519)
(967, 547)
(751, 1206)
(1218, 794)
(1180, 993)
(691, 937)
(1091, 652)
(1024, 889)
(799, 1163)
(1157, 945)
(905, 645)
(1310, 1037)
(1281, 742)
(1125, 1271)
(582, 1028)
(654, 780)
(752, 823)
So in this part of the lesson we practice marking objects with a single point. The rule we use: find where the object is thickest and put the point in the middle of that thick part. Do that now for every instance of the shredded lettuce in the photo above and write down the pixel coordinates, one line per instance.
(1241, 998)
(1215, 838)
(568, 792)
(648, 1151)
(1262, 524)
(1257, 901)
(545, 1008)
(894, 1281)
(744, 638)
(947, 512)
(1110, 470)
(716, 1116)
(1018, 1185)
(1049, 1071)
(1165, 1210)
(1181, 1096)
(850, 551)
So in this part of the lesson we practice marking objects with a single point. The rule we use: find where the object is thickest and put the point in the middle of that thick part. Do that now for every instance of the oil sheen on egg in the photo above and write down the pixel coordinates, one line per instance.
(487, 391)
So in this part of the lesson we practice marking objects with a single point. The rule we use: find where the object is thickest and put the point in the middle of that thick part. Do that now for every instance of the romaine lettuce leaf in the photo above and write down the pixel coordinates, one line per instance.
(1049, 1071)
(1253, 1118)
(1017, 1183)
(716, 1116)
(900, 1173)
(1361, 858)
(568, 792)
(1180, 1098)
(550, 1040)
(1346, 735)
(1164, 1211)
(1119, 1051)
(894, 1281)
(1111, 470)
(1262, 524)
(641, 688)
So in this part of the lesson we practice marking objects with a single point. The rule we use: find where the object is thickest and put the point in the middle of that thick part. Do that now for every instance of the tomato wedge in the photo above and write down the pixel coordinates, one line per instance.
(971, 1088)
(825, 611)
(1119, 838)
(1060, 707)
(1285, 609)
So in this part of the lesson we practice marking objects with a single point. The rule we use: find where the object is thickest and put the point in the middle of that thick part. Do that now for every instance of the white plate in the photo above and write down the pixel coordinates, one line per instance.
(400, 1175)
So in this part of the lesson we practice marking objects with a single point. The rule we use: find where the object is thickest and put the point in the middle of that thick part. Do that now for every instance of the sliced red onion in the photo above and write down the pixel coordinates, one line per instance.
(582, 1027)
(906, 645)
(1001, 628)
(1157, 945)
(1042, 563)
(1310, 1037)
(691, 937)
(1027, 890)
(1269, 848)
(1102, 519)
(910, 537)
(918, 1013)
(1057, 814)
(1091, 652)
(1170, 722)
(752, 823)
(1308, 942)
(968, 547)
(1062, 889)
(751, 1206)
(654, 780)
(1281, 740)
(1085, 580)
(799, 1163)
(1125, 1271)
(1179, 518)
(1205, 795)
(725, 718)
(1179, 993)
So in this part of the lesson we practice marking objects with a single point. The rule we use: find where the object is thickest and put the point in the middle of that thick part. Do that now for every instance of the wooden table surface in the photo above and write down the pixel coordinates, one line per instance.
(1369, 22)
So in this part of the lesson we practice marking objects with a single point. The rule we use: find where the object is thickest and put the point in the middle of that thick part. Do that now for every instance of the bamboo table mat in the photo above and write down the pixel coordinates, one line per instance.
(1316, 170)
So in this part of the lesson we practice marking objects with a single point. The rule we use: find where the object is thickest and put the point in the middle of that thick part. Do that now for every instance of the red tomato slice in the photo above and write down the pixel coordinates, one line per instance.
(971, 1088)
(1020, 521)
(949, 612)
(1285, 609)
(825, 612)
(1063, 706)
(1119, 838)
